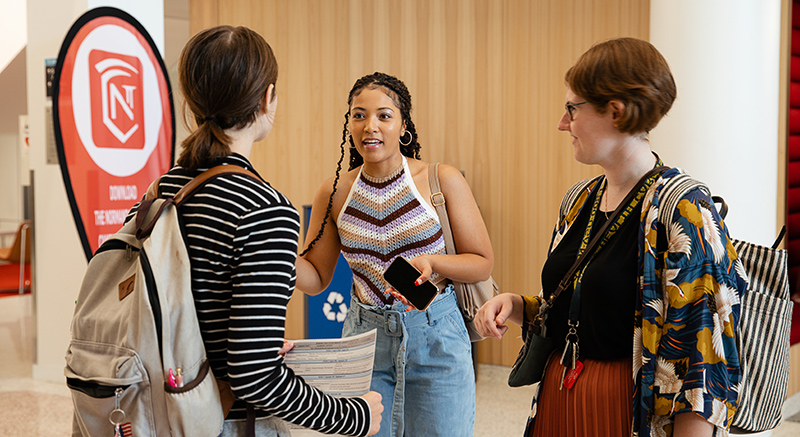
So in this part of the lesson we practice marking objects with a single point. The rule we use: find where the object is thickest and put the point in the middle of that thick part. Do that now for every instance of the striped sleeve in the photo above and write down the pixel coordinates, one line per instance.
(242, 237)
(263, 277)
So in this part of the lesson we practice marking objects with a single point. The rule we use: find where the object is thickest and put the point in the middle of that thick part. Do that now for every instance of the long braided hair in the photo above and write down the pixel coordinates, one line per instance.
(397, 91)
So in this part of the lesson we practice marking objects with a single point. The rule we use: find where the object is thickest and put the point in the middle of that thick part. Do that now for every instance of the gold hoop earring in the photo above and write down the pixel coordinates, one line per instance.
(410, 138)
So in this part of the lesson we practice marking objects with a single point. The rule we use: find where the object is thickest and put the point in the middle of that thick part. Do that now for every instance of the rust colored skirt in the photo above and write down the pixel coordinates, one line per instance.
(598, 405)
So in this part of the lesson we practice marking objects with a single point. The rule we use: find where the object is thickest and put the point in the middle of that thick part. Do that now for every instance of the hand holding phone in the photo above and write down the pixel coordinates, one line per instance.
(401, 275)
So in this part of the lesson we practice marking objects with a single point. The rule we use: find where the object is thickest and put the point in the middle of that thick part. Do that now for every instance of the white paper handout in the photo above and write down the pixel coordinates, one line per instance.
(338, 366)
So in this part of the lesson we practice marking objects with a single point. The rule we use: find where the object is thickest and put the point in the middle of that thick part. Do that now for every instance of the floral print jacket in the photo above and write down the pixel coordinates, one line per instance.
(690, 283)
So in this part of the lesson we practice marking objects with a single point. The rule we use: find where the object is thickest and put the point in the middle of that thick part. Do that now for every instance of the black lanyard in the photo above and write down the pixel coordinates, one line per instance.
(623, 211)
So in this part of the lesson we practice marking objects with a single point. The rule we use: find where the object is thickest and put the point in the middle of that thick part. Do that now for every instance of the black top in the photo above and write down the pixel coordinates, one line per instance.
(608, 288)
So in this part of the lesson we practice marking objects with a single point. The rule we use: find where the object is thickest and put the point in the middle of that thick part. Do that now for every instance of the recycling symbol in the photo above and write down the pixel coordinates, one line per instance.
(333, 312)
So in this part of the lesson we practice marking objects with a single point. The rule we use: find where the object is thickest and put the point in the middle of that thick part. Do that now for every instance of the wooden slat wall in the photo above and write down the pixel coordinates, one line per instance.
(486, 77)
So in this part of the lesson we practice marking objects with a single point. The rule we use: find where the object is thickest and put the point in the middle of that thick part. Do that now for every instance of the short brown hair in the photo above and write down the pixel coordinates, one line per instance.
(224, 75)
(629, 70)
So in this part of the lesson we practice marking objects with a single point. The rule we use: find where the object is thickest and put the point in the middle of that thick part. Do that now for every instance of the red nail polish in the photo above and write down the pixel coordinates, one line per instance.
(416, 282)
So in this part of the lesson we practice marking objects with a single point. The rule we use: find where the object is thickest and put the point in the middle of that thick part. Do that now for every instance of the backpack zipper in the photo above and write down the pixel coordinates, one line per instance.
(94, 389)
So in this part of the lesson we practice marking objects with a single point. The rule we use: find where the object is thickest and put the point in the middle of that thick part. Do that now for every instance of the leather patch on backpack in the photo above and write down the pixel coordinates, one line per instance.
(126, 287)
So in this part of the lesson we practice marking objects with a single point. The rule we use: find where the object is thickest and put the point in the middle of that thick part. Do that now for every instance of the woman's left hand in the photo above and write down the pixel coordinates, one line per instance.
(396, 294)
(287, 346)
(421, 263)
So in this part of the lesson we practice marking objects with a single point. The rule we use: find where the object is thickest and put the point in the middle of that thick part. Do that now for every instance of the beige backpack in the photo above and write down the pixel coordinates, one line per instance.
(136, 364)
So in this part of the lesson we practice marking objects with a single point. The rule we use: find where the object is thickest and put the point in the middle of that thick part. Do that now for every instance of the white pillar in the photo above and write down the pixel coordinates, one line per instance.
(60, 262)
(723, 128)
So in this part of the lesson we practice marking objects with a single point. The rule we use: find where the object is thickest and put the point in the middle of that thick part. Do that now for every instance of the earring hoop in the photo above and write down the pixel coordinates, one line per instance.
(410, 138)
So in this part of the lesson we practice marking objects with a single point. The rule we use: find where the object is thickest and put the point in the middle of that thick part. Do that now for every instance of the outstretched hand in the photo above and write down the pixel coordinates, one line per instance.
(490, 321)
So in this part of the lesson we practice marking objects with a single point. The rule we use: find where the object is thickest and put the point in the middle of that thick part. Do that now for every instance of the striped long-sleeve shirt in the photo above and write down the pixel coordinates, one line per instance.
(242, 240)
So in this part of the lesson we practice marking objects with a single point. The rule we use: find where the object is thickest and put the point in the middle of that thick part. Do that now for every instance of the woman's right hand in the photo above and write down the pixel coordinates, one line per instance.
(373, 398)
(490, 321)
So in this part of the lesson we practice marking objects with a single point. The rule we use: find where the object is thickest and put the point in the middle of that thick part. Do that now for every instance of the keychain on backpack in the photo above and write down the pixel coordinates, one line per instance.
(117, 415)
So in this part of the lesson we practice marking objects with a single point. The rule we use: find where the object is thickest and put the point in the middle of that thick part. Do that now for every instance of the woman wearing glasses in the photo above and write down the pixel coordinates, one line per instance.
(678, 309)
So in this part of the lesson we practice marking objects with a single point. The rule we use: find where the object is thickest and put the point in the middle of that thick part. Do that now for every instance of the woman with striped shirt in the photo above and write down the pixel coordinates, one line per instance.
(242, 239)
(377, 211)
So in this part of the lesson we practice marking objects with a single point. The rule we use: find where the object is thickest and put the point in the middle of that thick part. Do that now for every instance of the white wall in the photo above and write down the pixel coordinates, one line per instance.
(148, 12)
(723, 128)
(13, 29)
(176, 33)
(10, 212)
(60, 262)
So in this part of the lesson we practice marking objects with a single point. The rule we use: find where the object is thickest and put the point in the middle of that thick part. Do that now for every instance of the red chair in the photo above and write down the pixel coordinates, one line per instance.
(19, 252)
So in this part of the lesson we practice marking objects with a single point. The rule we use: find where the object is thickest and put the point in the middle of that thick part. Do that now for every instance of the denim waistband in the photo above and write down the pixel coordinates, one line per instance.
(390, 317)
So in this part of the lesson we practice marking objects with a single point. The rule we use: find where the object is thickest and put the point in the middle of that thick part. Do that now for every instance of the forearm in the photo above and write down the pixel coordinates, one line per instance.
(463, 267)
(259, 376)
(261, 288)
(518, 308)
(289, 397)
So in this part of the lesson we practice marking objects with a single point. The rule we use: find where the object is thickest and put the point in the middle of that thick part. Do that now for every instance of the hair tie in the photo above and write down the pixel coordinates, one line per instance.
(214, 119)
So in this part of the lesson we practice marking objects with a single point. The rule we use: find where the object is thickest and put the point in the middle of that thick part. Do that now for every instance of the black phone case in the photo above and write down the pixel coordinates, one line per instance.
(401, 275)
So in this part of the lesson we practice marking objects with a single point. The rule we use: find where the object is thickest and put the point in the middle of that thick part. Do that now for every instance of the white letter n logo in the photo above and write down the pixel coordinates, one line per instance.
(117, 100)
(112, 97)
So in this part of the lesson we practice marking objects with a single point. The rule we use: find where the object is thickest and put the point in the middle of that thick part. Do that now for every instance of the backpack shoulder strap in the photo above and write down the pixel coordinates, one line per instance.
(145, 220)
(152, 190)
(572, 196)
(203, 177)
(673, 190)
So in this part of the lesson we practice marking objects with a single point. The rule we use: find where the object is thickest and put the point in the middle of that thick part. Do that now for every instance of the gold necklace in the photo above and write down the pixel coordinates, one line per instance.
(606, 211)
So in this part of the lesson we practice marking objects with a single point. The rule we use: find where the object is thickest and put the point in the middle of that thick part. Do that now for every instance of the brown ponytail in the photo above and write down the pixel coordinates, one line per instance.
(224, 74)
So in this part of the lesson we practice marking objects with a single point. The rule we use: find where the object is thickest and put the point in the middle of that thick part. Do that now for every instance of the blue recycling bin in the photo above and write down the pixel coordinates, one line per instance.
(326, 311)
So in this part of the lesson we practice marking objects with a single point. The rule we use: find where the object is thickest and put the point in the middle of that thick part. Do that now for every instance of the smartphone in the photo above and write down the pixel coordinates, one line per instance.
(401, 275)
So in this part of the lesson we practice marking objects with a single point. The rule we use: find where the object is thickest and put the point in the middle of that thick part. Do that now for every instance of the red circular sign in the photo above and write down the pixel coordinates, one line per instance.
(113, 119)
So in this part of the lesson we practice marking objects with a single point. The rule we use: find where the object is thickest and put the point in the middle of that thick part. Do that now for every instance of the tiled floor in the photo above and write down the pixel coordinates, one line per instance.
(36, 408)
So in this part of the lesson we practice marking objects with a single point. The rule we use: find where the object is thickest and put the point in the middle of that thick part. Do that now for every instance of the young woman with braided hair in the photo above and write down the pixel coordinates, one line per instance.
(381, 209)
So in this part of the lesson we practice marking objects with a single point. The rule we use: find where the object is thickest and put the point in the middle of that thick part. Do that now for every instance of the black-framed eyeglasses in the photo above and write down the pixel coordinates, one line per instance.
(570, 108)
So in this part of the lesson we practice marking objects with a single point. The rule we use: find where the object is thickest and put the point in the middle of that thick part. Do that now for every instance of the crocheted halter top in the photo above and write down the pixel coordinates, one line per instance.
(382, 219)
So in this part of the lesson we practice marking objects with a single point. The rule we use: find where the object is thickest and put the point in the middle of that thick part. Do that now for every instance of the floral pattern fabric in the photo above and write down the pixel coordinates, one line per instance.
(690, 283)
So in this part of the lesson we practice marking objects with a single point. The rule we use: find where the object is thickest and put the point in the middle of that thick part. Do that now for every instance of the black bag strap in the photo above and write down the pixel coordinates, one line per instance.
(723, 211)
(567, 280)
(250, 422)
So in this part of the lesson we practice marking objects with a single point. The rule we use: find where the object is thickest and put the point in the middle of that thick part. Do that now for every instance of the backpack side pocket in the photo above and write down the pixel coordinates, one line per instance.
(194, 409)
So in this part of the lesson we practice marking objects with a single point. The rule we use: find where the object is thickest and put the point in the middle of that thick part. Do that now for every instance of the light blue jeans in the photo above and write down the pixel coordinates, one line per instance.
(423, 367)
